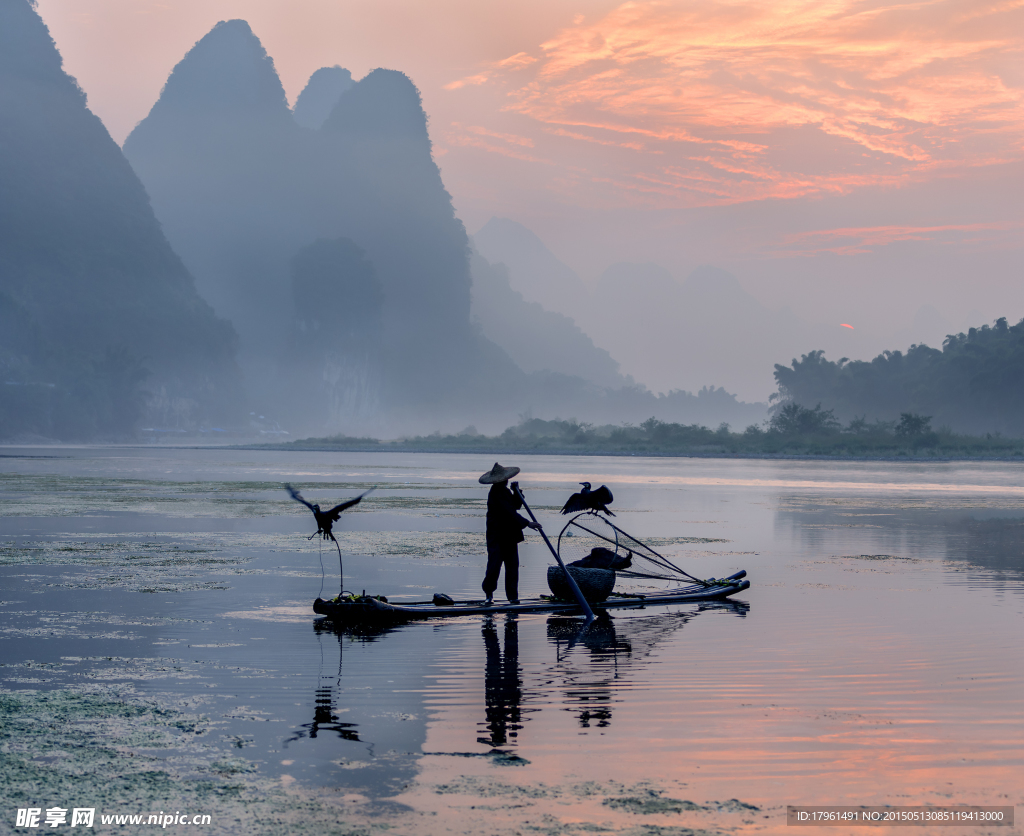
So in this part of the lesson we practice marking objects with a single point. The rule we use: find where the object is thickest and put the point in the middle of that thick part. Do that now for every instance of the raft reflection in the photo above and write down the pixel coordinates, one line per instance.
(592, 668)
(613, 649)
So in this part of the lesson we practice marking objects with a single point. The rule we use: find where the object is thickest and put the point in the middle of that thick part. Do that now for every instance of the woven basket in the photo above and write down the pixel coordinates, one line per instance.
(595, 584)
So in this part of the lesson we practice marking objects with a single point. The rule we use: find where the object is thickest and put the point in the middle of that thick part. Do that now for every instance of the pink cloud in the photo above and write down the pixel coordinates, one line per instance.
(858, 240)
(783, 99)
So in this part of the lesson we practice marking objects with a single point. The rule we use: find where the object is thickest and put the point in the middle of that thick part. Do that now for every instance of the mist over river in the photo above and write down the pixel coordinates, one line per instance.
(160, 651)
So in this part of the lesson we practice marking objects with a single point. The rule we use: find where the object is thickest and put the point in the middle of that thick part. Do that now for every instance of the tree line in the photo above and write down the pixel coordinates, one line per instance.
(972, 385)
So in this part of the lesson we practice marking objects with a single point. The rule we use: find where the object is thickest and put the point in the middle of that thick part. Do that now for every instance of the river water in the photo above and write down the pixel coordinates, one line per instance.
(160, 651)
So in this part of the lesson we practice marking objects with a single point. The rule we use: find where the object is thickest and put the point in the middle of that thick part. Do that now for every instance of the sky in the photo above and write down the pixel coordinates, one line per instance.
(854, 161)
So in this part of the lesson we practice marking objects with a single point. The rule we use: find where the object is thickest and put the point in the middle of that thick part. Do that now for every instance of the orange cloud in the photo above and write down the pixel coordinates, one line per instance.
(782, 98)
(477, 137)
(857, 240)
(510, 138)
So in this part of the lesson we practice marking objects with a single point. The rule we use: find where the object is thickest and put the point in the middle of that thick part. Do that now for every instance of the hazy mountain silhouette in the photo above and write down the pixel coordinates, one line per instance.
(336, 333)
(93, 300)
(249, 196)
(534, 271)
(664, 333)
(216, 154)
(570, 376)
(537, 339)
(383, 190)
(320, 95)
(242, 189)
(378, 185)
(684, 334)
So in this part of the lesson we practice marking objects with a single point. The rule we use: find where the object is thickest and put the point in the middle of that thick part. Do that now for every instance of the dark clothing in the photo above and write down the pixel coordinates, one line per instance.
(504, 533)
(498, 555)
(504, 525)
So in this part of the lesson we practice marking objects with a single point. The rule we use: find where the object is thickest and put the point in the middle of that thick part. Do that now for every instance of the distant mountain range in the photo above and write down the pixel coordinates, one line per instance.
(242, 186)
(322, 236)
(665, 333)
(345, 295)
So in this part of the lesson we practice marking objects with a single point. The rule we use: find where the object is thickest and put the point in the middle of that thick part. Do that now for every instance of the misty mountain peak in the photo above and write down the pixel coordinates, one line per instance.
(713, 281)
(500, 234)
(94, 300)
(534, 270)
(320, 95)
(227, 69)
(27, 51)
(384, 104)
(648, 276)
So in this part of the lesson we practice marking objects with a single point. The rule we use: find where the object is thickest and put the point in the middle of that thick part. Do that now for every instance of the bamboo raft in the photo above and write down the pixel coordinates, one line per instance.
(579, 536)
(372, 610)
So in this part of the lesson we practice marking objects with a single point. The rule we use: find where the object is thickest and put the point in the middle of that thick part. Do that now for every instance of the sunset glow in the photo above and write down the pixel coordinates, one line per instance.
(852, 241)
(821, 152)
(747, 101)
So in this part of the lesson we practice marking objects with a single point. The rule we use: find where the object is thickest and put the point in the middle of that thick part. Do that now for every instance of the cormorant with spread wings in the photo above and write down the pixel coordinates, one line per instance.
(588, 500)
(326, 519)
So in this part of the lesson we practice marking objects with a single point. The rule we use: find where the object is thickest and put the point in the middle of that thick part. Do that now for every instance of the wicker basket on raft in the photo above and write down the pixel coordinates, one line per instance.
(594, 575)
(595, 584)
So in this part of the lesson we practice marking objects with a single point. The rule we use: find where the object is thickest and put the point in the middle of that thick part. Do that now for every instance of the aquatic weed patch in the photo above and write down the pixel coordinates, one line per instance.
(652, 801)
(100, 550)
(29, 495)
(109, 750)
(607, 807)
(418, 503)
(51, 495)
(435, 544)
(879, 557)
(165, 562)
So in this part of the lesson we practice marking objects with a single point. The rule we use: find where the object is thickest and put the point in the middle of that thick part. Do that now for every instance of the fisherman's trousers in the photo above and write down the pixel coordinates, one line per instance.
(498, 555)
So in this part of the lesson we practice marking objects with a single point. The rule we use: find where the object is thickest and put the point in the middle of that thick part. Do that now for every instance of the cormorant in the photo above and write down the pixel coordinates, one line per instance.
(602, 558)
(326, 519)
(588, 500)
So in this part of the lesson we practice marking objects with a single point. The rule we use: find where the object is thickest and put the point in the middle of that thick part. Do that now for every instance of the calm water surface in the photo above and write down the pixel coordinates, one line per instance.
(876, 658)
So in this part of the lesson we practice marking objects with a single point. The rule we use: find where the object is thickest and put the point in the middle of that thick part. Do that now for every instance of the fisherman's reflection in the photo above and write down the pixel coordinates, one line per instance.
(503, 684)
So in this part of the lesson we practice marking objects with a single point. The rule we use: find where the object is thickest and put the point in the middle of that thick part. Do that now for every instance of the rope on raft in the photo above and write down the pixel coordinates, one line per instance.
(658, 560)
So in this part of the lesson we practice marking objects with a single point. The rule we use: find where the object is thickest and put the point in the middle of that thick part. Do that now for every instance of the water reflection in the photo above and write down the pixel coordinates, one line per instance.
(590, 701)
(987, 539)
(325, 708)
(594, 662)
(324, 717)
(588, 672)
(995, 544)
(503, 683)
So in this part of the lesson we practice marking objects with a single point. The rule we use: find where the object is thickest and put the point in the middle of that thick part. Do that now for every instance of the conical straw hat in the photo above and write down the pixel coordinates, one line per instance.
(498, 474)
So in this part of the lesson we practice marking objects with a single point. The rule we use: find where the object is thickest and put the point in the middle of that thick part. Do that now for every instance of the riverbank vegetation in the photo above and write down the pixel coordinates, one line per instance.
(793, 430)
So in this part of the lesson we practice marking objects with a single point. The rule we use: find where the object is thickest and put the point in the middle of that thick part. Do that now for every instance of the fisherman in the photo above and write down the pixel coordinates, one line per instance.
(504, 532)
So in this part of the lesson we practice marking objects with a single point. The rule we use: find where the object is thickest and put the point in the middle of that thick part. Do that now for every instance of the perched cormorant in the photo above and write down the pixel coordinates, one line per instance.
(602, 558)
(588, 500)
